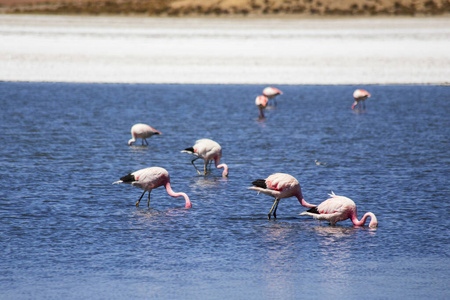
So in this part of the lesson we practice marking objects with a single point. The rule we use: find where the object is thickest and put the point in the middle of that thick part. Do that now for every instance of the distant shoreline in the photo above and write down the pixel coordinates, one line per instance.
(294, 51)
(229, 8)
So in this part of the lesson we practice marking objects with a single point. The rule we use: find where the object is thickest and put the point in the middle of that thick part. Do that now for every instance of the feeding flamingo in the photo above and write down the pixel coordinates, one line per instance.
(280, 185)
(360, 97)
(208, 150)
(142, 131)
(149, 179)
(261, 102)
(339, 208)
(271, 92)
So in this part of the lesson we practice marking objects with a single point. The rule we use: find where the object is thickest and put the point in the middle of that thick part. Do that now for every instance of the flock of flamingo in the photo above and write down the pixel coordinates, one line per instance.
(278, 185)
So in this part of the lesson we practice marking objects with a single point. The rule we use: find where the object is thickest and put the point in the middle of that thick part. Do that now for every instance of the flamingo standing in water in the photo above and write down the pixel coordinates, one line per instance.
(149, 179)
(271, 92)
(280, 185)
(261, 102)
(208, 150)
(142, 131)
(360, 97)
(339, 208)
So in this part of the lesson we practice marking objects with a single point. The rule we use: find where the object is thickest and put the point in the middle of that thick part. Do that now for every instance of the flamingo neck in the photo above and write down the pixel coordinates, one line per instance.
(224, 166)
(131, 141)
(176, 195)
(261, 112)
(303, 202)
(373, 219)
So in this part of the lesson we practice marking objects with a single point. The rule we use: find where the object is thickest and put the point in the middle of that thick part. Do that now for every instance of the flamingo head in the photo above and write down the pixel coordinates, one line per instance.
(130, 142)
(188, 204)
(225, 169)
(373, 220)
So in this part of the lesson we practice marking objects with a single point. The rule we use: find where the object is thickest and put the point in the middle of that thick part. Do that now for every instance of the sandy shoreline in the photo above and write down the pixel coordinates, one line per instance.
(194, 8)
(225, 51)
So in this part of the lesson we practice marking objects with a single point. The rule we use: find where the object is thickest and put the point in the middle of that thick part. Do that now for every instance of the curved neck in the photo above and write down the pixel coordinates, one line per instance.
(131, 141)
(373, 219)
(261, 112)
(302, 200)
(224, 166)
(176, 195)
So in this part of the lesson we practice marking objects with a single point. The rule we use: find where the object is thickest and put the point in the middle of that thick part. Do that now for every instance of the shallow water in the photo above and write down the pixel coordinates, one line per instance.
(67, 232)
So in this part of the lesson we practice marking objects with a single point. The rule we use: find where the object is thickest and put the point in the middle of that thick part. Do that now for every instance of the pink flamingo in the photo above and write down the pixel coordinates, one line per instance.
(279, 186)
(261, 102)
(208, 150)
(142, 131)
(149, 179)
(360, 96)
(339, 208)
(271, 92)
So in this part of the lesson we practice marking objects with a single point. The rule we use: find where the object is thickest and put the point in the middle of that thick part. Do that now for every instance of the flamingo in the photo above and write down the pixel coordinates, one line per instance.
(261, 102)
(271, 92)
(279, 186)
(149, 179)
(142, 131)
(339, 208)
(360, 96)
(208, 150)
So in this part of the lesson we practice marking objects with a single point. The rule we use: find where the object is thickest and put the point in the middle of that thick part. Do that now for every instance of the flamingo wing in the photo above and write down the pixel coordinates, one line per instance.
(149, 178)
(271, 92)
(281, 181)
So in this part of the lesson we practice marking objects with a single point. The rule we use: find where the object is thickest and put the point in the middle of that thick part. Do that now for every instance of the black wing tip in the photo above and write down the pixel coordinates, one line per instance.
(190, 149)
(128, 178)
(313, 210)
(260, 183)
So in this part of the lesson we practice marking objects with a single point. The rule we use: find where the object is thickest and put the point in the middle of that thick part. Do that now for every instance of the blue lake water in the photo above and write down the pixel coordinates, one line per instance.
(67, 233)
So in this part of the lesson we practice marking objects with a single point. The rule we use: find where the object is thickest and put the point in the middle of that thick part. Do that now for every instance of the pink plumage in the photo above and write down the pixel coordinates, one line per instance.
(142, 131)
(152, 178)
(279, 186)
(360, 96)
(271, 92)
(208, 150)
(339, 208)
(261, 102)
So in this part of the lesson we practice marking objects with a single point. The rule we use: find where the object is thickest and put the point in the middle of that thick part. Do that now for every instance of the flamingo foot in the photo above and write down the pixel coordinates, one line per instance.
(137, 203)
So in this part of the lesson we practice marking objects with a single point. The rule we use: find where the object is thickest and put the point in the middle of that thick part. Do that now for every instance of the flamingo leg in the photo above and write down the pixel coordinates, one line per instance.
(148, 200)
(146, 142)
(137, 203)
(206, 166)
(275, 204)
(195, 165)
(275, 210)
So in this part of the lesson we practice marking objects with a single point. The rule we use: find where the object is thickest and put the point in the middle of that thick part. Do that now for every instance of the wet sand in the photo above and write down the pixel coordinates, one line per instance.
(225, 50)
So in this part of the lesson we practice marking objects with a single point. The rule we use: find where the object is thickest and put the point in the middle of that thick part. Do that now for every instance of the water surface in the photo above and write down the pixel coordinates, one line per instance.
(66, 232)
